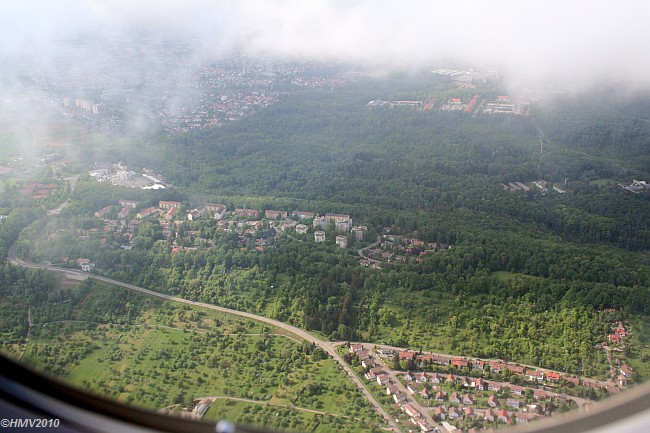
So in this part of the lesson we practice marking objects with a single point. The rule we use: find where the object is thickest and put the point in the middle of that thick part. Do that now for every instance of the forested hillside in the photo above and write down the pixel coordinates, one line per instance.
(526, 274)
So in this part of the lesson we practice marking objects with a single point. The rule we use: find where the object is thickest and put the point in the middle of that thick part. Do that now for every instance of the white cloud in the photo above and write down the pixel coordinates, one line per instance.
(570, 40)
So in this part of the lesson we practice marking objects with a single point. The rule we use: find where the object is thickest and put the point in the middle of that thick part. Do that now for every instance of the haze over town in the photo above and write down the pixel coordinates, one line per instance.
(573, 44)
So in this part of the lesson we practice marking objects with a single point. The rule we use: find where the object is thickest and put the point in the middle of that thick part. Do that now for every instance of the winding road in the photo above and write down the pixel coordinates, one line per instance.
(328, 347)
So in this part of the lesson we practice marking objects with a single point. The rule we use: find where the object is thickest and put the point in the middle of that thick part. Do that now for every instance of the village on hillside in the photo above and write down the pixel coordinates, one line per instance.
(255, 230)
(466, 394)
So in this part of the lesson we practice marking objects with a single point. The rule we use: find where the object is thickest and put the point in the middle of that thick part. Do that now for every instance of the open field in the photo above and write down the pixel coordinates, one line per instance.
(165, 354)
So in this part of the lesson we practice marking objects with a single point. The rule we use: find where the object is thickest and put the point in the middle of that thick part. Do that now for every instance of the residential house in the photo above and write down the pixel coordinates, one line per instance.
(217, 209)
(362, 355)
(450, 378)
(522, 418)
(130, 203)
(553, 376)
(435, 378)
(411, 388)
(540, 394)
(441, 396)
(497, 367)
(196, 213)
(460, 362)
(535, 376)
(287, 225)
(478, 364)
(103, 211)
(319, 223)
(516, 369)
(275, 214)
(373, 372)
(145, 213)
(256, 225)
(440, 413)
(342, 241)
(424, 358)
(480, 384)
(454, 413)
(513, 402)
(424, 394)
(517, 390)
(382, 379)
(124, 212)
(411, 411)
(354, 348)
(319, 236)
(493, 401)
(468, 412)
(420, 377)
(468, 399)
(343, 223)
(301, 229)
(424, 426)
(302, 215)
(168, 204)
(455, 398)
(503, 416)
(398, 398)
(171, 213)
(488, 415)
(247, 213)
(359, 232)
(613, 338)
(407, 355)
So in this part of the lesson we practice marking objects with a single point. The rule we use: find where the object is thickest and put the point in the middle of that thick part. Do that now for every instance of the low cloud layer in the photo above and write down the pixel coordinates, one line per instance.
(568, 42)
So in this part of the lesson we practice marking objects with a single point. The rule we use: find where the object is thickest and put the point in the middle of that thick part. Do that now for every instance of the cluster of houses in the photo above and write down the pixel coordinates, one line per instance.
(401, 249)
(618, 335)
(244, 221)
(461, 405)
(617, 339)
(539, 376)
(495, 411)
(378, 374)
(507, 404)
(247, 223)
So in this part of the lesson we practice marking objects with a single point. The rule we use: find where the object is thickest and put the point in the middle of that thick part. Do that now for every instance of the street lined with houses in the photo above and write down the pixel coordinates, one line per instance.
(435, 388)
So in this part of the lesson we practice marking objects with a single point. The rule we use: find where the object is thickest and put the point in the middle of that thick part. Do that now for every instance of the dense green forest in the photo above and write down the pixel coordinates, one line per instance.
(527, 275)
